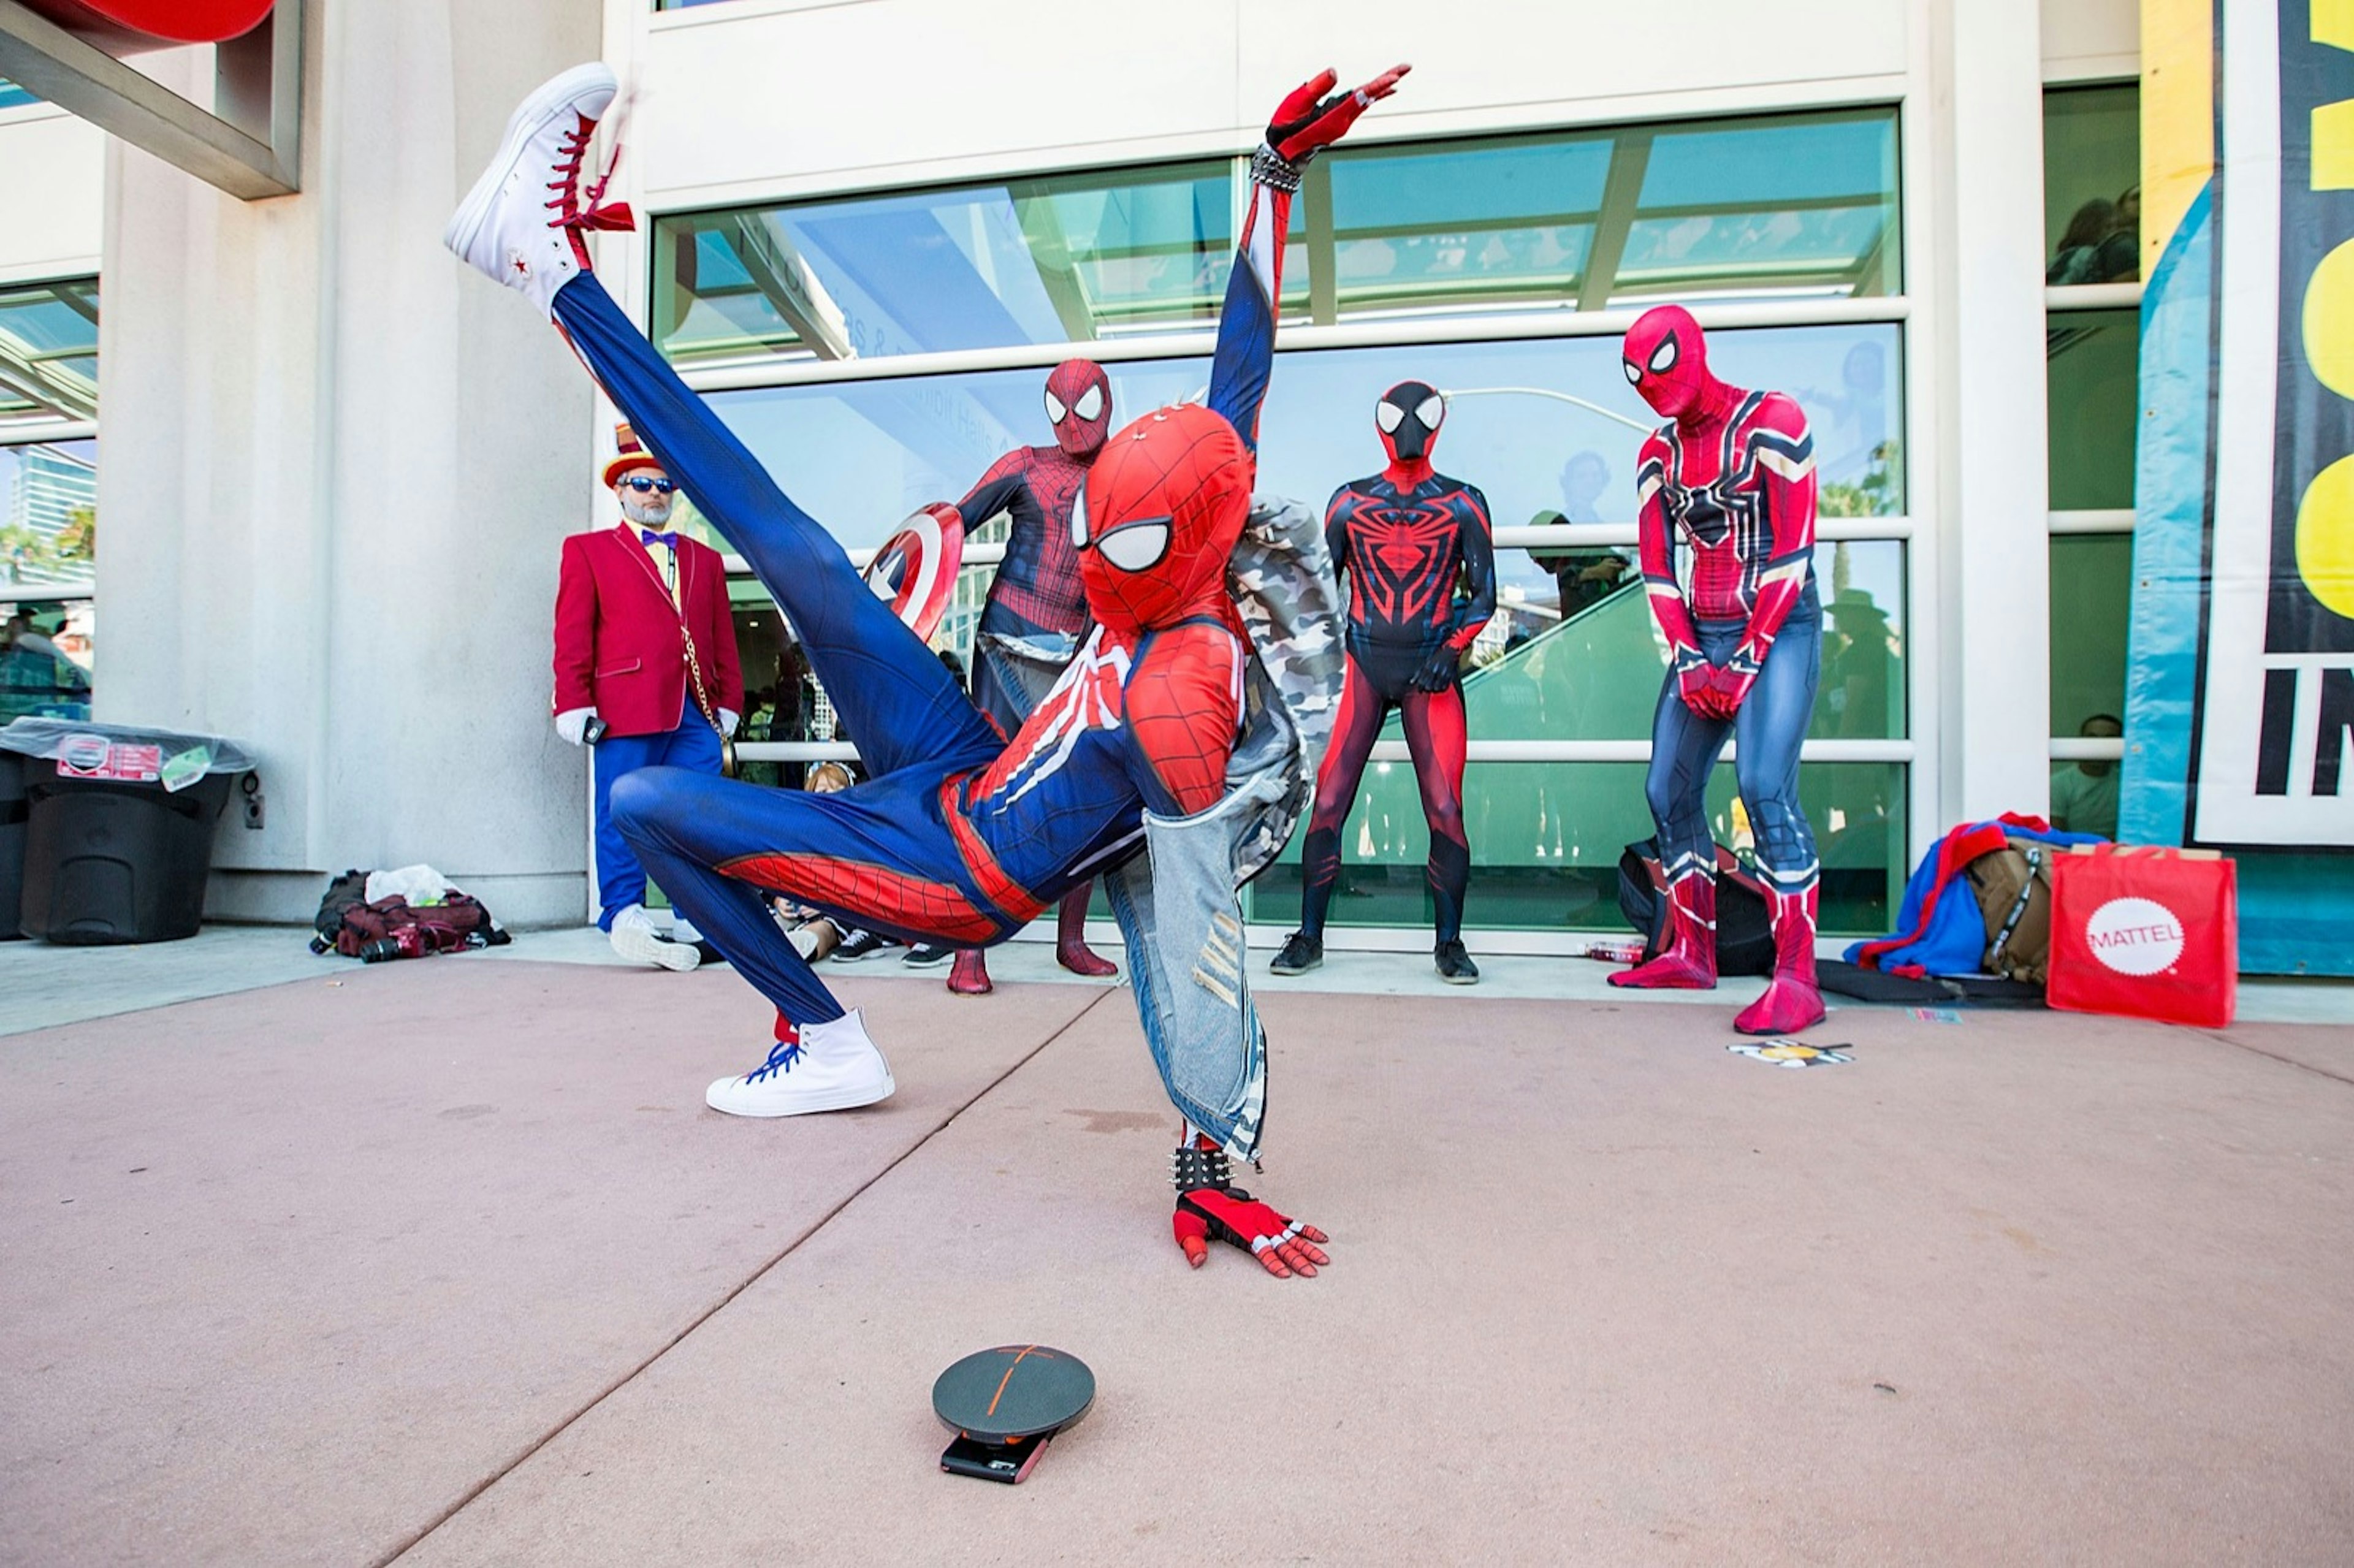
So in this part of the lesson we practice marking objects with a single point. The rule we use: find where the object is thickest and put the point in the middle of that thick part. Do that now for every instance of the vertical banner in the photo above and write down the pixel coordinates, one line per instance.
(2276, 710)
(2240, 677)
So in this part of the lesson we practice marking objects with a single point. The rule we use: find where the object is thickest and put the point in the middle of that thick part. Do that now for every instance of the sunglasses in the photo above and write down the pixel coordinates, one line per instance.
(654, 486)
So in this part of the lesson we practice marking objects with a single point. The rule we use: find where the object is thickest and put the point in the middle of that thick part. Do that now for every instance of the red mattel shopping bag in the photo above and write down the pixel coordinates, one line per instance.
(2150, 933)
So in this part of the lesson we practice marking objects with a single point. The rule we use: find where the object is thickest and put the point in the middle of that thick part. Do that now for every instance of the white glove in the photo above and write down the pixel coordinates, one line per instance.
(572, 724)
(727, 720)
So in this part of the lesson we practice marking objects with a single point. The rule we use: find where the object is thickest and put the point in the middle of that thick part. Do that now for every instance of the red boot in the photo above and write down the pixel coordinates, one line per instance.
(969, 976)
(1071, 949)
(1689, 963)
(1791, 1002)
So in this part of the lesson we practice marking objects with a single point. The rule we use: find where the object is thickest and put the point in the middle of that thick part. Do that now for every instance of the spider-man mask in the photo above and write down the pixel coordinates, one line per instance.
(1666, 360)
(1078, 402)
(1161, 511)
(1408, 416)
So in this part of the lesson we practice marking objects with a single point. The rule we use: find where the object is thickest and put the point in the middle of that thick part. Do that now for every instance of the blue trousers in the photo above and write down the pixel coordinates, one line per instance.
(621, 879)
(1768, 730)
(912, 724)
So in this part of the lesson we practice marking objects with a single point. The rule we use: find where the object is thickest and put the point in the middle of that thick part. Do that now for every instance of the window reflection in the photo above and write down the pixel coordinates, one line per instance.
(2091, 367)
(2092, 185)
(1546, 838)
(1787, 207)
(49, 351)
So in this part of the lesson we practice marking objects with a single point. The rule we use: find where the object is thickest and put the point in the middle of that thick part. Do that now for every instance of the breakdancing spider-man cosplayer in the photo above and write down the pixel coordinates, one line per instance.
(1734, 473)
(959, 835)
(1409, 538)
(1037, 609)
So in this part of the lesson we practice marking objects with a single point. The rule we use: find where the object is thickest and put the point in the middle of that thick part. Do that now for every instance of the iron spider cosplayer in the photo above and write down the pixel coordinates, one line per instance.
(1734, 473)
(1037, 609)
(959, 835)
(1409, 538)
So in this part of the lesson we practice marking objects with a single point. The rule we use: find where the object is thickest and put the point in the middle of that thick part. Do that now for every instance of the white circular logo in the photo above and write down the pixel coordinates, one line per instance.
(2134, 936)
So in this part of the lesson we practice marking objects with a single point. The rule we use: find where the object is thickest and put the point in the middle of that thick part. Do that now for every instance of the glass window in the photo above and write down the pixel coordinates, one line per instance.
(49, 351)
(1546, 838)
(2092, 603)
(48, 539)
(1797, 205)
(2092, 185)
(14, 97)
(1069, 258)
(2091, 367)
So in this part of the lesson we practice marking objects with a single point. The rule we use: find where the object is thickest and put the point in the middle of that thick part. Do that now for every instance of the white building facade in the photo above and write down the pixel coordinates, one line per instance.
(334, 465)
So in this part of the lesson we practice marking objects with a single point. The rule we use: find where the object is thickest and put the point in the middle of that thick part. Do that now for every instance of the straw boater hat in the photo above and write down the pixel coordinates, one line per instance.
(632, 454)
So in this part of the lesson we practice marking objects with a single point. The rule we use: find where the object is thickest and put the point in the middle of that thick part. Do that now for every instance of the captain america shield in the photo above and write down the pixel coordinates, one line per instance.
(914, 572)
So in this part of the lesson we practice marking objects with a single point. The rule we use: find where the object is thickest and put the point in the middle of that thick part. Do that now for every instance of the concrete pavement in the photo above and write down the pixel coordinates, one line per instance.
(444, 1263)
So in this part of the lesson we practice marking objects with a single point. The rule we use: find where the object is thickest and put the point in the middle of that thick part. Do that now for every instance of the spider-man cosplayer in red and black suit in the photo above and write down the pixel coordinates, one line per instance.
(1732, 472)
(958, 835)
(1037, 609)
(1417, 549)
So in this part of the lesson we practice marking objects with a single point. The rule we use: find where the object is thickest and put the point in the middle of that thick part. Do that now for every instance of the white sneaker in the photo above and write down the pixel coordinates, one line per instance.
(832, 1066)
(511, 227)
(634, 938)
(682, 929)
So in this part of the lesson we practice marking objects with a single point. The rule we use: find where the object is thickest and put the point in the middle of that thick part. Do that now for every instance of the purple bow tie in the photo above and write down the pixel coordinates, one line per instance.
(648, 536)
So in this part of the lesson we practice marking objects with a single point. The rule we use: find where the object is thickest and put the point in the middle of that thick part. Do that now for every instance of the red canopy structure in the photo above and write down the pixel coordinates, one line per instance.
(127, 27)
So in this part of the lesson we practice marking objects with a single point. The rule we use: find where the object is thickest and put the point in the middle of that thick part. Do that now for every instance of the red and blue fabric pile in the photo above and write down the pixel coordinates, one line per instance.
(1939, 930)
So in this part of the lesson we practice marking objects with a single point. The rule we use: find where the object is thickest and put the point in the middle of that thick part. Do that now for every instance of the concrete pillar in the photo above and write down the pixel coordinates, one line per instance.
(1993, 687)
(353, 462)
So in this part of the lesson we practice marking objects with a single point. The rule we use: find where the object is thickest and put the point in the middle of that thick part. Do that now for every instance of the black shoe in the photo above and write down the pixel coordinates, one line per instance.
(709, 954)
(861, 944)
(1453, 965)
(1300, 953)
(927, 954)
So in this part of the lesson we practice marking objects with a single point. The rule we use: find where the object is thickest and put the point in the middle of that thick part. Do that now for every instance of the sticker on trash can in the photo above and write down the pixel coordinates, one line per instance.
(95, 757)
(183, 768)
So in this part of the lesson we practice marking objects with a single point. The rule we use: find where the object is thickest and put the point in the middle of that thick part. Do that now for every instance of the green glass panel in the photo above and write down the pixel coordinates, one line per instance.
(1547, 837)
(2092, 366)
(2091, 606)
(48, 521)
(2091, 184)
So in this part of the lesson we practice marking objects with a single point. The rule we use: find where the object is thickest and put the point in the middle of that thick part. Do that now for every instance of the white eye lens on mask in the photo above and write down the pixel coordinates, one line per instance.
(1432, 413)
(1663, 358)
(1389, 416)
(1090, 403)
(1634, 374)
(1079, 517)
(1055, 409)
(1133, 546)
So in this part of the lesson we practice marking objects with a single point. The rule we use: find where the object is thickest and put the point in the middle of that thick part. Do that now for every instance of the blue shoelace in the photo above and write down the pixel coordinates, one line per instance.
(781, 1057)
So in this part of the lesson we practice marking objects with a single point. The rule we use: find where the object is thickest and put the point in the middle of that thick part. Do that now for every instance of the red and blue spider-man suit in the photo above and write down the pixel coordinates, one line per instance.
(1733, 474)
(1037, 609)
(958, 835)
(1417, 546)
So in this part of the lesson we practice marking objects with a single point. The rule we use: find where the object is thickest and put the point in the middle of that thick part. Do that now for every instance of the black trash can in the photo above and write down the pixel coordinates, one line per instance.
(14, 808)
(125, 858)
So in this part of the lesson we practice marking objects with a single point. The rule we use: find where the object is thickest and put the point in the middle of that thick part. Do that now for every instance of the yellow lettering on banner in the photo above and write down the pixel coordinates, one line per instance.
(2333, 146)
(2329, 321)
(2325, 537)
(2332, 23)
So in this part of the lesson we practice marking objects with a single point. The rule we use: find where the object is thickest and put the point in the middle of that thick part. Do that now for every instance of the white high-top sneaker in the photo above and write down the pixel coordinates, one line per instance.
(513, 226)
(831, 1066)
(634, 938)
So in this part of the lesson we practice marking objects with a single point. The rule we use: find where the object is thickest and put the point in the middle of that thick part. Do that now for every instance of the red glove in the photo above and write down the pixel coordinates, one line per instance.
(1307, 121)
(1728, 689)
(1692, 686)
(1284, 1247)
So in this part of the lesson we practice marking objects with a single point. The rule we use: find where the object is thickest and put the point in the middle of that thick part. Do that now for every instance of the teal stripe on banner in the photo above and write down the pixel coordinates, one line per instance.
(2171, 498)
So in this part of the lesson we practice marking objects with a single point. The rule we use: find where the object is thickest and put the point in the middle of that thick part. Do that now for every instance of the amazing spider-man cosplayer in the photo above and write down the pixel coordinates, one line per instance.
(1037, 609)
(959, 835)
(1734, 473)
(1422, 582)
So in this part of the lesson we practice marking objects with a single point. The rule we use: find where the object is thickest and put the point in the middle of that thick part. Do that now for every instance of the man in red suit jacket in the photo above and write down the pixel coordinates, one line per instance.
(646, 674)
